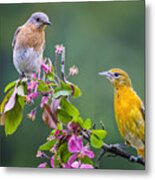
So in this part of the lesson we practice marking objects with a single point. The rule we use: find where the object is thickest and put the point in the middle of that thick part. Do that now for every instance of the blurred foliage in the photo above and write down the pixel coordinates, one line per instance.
(97, 36)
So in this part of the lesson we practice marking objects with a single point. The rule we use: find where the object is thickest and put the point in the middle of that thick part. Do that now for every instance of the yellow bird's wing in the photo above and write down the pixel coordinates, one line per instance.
(135, 128)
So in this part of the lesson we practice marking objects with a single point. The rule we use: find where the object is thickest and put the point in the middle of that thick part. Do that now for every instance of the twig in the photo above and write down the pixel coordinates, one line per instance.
(63, 65)
(56, 68)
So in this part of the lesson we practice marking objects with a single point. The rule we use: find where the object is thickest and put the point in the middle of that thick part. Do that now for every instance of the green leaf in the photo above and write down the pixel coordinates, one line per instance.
(62, 93)
(76, 92)
(47, 146)
(59, 126)
(95, 142)
(9, 86)
(21, 101)
(66, 89)
(13, 118)
(86, 160)
(50, 75)
(87, 124)
(56, 162)
(63, 116)
(78, 120)
(5, 100)
(69, 108)
(43, 87)
(101, 134)
(63, 152)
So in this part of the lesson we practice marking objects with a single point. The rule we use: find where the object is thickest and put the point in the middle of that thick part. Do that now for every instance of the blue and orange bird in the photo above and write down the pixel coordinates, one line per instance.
(128, 108)
(28, 44)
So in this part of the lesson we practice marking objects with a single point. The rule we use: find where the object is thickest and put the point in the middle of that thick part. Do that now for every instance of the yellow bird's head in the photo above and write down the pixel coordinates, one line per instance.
(118, 77)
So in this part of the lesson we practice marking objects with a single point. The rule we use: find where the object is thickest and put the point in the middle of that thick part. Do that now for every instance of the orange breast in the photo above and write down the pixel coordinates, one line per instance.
(30, 36)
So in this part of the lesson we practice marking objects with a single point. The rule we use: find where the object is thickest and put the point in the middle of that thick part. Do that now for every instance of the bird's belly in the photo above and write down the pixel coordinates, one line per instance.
(27, 60)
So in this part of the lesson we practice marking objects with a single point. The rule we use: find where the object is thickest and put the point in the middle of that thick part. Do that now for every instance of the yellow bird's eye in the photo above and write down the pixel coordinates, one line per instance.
(116, 74)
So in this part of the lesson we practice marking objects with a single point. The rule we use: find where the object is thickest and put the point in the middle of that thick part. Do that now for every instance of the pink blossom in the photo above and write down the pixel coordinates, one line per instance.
(39, 154)
(30, 97)
(78, 164)
(57, 132)
(59, 48)
(45, 68)
(71, 159)
(32, 114)
(42, 165)
(44, 101)
(86, 166)
(73, 70)
(72, 126)
(75, 145)
(34, 76)
(31, 85)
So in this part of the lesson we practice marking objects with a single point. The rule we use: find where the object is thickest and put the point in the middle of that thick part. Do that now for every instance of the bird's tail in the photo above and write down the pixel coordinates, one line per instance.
(141, 152)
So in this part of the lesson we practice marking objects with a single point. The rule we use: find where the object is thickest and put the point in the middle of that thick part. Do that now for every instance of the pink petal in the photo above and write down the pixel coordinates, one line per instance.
(33, 95)
(71, 159)
(59, 49)
(39, 154)
(52, 161)
(76, 164)
(31, 85)
(87, 152)
(45, 68)
(54, 105)
(11, 102)
(75, 144)
(42, 165)
(44, 101)
(86, 166)
(34, 76)
(32, 114)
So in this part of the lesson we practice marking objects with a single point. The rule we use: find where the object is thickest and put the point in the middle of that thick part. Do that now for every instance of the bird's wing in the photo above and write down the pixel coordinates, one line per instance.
(143, 112)
(15, 36)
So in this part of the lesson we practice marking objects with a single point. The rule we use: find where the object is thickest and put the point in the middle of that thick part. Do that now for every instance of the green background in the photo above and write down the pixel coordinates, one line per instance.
(97, 36)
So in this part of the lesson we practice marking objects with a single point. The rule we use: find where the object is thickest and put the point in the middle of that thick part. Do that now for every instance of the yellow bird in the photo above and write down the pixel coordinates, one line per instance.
(129, 109)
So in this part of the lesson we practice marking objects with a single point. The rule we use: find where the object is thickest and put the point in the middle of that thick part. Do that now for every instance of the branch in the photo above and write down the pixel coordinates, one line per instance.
(115, 150)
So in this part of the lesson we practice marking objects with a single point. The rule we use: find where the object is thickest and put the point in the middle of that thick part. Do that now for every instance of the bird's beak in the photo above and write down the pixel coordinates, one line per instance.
(107, 74)
(48, 23)
(104, 73)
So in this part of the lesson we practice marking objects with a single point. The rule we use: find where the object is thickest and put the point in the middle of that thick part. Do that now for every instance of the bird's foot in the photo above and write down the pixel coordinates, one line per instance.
(135, 158)
(21, 76)
(119, 146)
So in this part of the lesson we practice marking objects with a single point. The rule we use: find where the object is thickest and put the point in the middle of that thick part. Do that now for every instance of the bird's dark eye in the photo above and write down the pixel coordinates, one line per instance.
(38, 19)
(116, 74)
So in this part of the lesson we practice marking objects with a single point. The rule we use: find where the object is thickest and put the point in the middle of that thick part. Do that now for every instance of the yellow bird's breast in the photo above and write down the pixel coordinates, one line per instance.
(127, 106)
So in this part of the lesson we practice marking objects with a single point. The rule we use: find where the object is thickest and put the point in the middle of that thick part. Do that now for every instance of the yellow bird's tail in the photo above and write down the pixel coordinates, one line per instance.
(141, 152)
